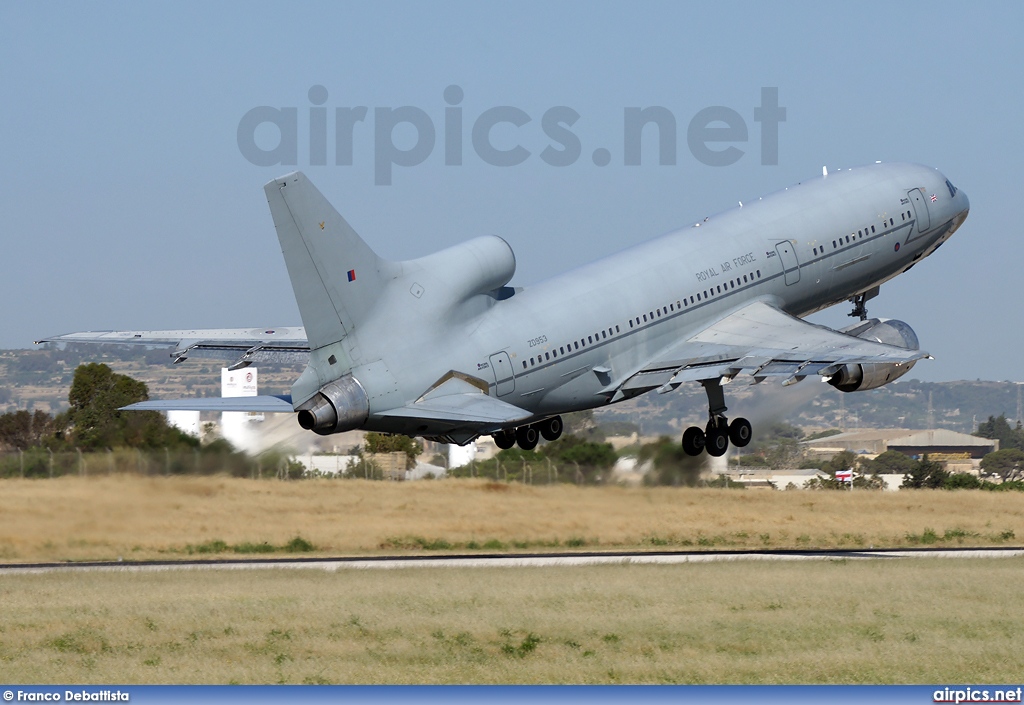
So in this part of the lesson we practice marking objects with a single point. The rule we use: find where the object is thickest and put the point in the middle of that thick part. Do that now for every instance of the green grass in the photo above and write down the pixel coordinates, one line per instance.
(901, 621)
(216, 546)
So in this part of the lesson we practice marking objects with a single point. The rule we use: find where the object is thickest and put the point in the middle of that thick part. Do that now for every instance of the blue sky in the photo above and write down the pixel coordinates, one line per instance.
(128, 203)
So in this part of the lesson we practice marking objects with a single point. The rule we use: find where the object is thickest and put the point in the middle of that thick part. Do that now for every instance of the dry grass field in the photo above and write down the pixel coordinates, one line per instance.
(831, 622)
(903, 621)
(135, 518)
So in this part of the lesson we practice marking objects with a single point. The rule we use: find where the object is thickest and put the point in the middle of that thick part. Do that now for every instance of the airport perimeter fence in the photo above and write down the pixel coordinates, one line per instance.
(43, 463)
(538, 472)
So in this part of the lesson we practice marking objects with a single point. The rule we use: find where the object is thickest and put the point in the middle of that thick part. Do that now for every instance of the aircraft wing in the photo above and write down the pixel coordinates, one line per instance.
(262, 404)
(763, 341)
(244, 346)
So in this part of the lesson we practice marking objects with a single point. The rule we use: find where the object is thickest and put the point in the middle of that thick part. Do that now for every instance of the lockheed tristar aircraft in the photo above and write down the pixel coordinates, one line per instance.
(442, 347)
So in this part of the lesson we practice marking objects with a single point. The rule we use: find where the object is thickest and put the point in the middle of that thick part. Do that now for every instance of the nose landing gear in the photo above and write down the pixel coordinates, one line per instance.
(716, 436)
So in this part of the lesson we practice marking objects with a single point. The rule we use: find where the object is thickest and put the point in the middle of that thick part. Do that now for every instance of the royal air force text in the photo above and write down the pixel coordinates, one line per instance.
(737, 262)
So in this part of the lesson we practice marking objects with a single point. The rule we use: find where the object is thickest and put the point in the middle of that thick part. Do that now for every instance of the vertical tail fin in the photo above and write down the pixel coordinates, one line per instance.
(335, 275)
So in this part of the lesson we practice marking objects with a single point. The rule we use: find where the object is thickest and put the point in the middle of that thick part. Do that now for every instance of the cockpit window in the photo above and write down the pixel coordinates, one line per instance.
(952, 189)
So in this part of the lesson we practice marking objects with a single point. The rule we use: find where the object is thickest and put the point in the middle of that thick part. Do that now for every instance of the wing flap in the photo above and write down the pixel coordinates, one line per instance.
(760, 340)
(244, 346)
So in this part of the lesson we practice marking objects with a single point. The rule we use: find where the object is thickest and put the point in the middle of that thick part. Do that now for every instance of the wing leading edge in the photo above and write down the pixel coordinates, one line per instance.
(762, 341)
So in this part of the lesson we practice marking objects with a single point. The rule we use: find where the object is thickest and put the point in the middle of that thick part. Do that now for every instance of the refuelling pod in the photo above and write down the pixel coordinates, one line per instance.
(858, 378)
(341, 405)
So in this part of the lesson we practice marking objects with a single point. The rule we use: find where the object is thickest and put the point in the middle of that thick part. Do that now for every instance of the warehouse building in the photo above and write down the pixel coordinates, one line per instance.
(959, 451)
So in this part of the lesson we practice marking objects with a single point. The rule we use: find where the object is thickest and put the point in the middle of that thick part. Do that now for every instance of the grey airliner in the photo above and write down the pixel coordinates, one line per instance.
(441, 347)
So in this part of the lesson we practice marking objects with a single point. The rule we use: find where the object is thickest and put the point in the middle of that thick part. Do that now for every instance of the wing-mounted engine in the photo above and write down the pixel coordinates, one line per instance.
(857, 378)
(341, 405)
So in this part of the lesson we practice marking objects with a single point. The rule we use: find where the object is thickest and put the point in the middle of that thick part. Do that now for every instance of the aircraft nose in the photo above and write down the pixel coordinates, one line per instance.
(961, 207)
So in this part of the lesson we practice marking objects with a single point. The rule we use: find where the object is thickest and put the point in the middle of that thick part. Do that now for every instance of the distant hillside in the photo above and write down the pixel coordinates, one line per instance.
(41, 379)
(812, 404)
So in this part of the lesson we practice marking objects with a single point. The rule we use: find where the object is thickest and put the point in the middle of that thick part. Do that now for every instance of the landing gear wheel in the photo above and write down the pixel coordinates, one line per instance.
(693, 441)
(716, 439)
(740, 432)
(551, 428)
(504, 439)
(527, 437)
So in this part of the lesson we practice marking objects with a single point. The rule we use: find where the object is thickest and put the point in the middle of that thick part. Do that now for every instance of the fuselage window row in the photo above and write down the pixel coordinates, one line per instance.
(657, 313)
(695, 298)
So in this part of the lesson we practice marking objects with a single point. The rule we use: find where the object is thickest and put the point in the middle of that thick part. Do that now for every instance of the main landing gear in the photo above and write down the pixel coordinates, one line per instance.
(529, 436)
(716, 436)
(860, 308)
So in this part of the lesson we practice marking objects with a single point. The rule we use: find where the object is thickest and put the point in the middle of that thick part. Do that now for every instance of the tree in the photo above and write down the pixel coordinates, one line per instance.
(890, 462)
(387, 443)
(672, 466)
(1007, 464)
(583, 425)
(778, 446)
(20, 430)
(846, 460)
(963, 481)
(781, 429)
(925, 474)
(96, 395)
(782, 453)
(998, 428)
(573, 449)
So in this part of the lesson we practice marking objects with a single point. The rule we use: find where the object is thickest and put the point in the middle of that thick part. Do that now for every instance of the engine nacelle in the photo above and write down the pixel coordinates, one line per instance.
(477, 266)
(858, 378)
(341, 405)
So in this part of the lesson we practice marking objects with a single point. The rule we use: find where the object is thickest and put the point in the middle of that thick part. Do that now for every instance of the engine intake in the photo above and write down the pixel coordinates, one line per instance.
(858, 378)
(341, 405)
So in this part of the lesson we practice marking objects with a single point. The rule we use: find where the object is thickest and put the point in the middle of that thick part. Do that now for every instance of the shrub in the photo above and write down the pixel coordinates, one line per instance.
(962, 481)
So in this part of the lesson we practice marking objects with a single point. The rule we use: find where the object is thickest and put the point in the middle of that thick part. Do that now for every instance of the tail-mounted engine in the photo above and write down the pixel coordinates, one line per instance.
(341, 405)
(857, 378)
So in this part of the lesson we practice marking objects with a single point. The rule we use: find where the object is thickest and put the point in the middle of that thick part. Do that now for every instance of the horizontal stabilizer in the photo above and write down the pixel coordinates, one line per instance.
(459, 402)
(264, 404)
(471, 409)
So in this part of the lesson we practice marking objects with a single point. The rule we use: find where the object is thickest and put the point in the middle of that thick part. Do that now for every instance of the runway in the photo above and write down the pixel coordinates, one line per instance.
(514, 560)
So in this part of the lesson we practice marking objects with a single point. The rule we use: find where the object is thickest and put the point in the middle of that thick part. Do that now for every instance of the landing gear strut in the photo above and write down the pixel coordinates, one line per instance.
(860, 309)
(715, 437)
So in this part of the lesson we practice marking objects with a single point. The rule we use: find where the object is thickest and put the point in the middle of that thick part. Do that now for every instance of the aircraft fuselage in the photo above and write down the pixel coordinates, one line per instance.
(560, 345)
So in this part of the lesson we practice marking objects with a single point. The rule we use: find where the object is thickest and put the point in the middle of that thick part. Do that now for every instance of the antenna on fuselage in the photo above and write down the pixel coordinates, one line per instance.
(824, 171)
